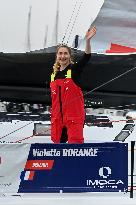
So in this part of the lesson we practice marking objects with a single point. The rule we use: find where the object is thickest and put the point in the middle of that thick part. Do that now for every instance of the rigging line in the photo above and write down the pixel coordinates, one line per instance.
(22, 128)
(109, 81)
(102, 85)
(18, 141)
(16, 130)
(26, 138)
(106, 83)
(69, 21)
(74, 22)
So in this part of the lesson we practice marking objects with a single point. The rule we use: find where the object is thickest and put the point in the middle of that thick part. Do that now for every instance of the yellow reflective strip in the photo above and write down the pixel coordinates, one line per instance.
(52, 77)
(68, 74)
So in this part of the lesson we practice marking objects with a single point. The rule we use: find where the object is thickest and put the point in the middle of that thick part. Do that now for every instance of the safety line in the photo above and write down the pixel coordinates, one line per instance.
(109, 81)
(16, 130)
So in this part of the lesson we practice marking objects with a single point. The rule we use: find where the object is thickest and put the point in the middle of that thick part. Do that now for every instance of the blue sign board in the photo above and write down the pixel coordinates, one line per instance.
(89, 167)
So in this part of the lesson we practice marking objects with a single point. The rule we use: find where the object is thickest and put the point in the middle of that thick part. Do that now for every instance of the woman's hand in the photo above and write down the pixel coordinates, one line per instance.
(90, 33)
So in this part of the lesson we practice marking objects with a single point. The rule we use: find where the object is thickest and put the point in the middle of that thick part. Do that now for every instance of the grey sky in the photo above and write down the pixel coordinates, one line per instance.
(14, 17)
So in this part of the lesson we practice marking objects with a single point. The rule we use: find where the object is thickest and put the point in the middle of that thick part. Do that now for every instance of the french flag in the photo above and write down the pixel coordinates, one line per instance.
(28, 175)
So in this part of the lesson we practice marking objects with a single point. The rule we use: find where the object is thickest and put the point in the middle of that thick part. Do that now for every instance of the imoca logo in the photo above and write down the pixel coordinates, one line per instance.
(104, 172)
(104, 182)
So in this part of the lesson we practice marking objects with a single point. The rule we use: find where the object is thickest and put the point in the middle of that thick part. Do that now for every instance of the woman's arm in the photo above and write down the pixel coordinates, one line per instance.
(86, 57)
(89, 34)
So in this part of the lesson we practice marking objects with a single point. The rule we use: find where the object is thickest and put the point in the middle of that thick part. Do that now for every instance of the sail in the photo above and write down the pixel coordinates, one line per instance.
(116, 24)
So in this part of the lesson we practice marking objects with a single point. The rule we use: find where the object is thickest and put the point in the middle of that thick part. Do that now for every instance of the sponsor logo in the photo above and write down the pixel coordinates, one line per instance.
(39, 164)
(104, 173)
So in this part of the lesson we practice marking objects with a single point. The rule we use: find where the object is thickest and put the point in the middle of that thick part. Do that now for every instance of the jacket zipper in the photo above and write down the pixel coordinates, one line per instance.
(60, 101)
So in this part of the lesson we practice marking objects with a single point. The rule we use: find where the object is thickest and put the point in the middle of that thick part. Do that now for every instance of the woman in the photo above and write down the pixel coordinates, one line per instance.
(67, 114)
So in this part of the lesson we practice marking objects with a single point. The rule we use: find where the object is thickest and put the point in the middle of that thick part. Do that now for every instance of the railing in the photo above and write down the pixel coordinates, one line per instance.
(132, 169)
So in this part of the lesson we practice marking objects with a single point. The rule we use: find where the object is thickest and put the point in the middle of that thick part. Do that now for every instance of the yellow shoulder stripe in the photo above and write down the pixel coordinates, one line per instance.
(68, 74)
(52, 77)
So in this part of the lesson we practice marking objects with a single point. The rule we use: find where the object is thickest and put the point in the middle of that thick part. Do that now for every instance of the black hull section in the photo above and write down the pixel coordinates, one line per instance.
(26, 78)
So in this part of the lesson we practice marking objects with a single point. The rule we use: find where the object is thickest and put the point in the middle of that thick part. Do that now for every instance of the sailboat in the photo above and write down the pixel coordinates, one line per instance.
(109, 79)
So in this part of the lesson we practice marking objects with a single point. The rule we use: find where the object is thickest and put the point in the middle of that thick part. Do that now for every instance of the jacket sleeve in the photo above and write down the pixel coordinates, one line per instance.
(78, 66)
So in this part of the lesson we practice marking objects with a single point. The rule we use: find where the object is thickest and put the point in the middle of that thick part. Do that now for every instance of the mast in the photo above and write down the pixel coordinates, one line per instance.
(55, 33)
(57, 22)
(28, 42)
(45, 38)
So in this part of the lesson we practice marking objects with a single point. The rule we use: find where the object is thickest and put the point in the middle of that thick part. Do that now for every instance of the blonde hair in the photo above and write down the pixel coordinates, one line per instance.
(57, 65)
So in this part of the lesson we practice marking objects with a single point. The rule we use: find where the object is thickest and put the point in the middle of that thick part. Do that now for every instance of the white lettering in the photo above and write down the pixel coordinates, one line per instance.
(45, 152)
(102, 182)
(80, 152)
(40, 164)
(120, 182)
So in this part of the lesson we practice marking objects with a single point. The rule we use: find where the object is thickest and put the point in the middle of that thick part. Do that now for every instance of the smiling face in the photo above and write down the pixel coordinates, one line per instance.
(63, 56)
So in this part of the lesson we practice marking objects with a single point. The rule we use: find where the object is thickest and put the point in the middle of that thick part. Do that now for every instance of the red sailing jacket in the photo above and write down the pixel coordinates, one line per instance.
(67, 100)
